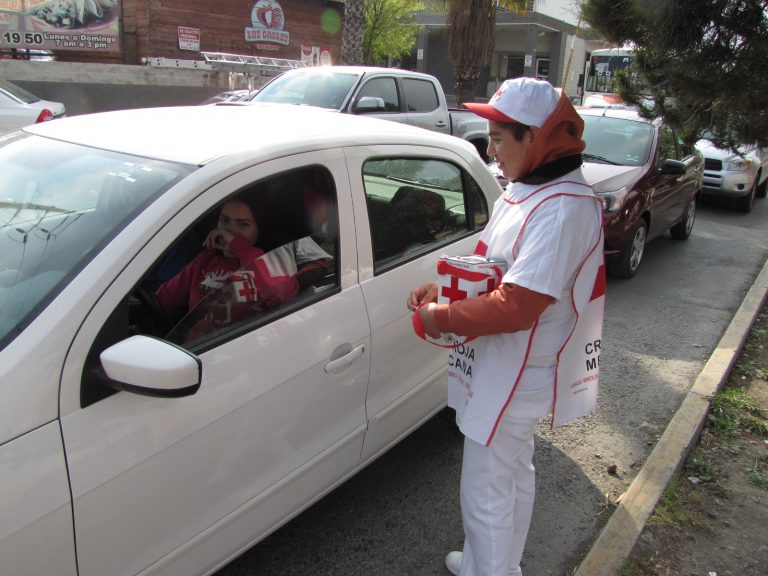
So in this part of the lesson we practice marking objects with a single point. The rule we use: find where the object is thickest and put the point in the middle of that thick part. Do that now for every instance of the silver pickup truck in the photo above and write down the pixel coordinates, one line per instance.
(388, 93)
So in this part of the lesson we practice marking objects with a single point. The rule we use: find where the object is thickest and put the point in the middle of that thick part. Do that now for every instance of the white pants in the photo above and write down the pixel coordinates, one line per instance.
(498, 482)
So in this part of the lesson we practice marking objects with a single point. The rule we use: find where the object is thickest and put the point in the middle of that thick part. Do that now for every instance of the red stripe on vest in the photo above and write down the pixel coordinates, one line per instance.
(599, 288)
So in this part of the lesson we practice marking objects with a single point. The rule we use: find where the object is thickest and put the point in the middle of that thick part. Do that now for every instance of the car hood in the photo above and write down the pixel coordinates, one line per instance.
(608, 178)
(709, 150)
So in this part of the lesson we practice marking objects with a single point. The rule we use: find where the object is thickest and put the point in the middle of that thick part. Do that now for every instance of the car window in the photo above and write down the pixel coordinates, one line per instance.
(17, 93)
(326, 90)
(198, 297)
(420, 95)
(418, 205)
(59, 204)
(667, 146)
(686, 150)
(384, 88)
(617, 140)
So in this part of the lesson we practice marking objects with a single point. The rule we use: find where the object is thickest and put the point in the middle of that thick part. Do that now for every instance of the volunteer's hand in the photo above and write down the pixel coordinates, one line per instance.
(427, 314)
(423, 294)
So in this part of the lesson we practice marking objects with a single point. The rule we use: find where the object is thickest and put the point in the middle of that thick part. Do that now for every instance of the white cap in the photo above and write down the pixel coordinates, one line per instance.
(520, 101)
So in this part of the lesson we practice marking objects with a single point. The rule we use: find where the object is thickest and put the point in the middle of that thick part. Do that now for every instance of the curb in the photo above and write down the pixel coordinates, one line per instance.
(619, 536)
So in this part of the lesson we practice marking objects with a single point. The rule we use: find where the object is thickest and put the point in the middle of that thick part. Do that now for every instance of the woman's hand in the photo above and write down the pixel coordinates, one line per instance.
(422, 295)
(218, 239)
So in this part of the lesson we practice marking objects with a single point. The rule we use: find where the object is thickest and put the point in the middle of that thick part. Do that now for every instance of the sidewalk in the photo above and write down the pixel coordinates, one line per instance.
(617, 539)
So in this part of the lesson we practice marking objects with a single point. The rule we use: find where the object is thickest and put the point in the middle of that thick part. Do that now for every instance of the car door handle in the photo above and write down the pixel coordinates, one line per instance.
(340, 363)
(441, 124)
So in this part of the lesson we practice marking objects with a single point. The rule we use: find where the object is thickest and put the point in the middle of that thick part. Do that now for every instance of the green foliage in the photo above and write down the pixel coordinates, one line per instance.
(674, 511)
(704, 62)
(758, 474)
(390, 30)
(733, 411)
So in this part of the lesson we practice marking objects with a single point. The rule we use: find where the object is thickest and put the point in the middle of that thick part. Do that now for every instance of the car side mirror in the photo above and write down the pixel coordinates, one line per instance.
(672, 167)
(369, 104)
(151, 367)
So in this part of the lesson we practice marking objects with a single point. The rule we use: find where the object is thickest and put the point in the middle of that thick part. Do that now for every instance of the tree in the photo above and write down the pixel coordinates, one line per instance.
(471, 30)
(390, 30)
(353, 31)
(703, 62)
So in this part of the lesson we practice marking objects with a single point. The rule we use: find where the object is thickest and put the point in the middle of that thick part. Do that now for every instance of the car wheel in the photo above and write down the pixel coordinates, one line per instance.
(762, 189)
(626, 263)
(683, 229)
(744, 204)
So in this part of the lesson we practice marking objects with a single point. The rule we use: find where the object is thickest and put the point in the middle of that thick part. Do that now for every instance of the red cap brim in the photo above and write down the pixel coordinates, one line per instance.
(488, 112)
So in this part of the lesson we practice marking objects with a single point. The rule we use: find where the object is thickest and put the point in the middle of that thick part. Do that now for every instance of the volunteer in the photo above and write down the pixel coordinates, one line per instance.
(547, 226)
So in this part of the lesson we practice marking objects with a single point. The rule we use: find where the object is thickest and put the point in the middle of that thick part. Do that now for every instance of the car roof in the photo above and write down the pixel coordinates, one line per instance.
(621, 113)
(199, 134)
(357, 70)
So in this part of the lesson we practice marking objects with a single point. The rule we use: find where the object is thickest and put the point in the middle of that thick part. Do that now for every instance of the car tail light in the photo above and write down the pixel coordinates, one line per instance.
(44, 116)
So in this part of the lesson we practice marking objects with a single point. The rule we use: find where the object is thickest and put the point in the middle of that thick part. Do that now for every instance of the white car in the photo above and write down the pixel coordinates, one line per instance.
(740, 177)
(129, 446)
(19, 108)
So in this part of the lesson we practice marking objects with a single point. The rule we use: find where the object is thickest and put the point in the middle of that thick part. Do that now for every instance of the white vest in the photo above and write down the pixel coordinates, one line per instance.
(483, 374)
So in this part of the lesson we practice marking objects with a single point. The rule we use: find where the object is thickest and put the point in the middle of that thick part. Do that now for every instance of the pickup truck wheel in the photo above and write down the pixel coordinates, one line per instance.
(744, 204)
(482, 149)
(763, 188)
(683, 229)
(626, 263)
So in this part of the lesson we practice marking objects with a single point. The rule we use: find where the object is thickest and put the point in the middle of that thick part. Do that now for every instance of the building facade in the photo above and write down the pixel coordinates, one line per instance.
(132, 31)
(546, 42)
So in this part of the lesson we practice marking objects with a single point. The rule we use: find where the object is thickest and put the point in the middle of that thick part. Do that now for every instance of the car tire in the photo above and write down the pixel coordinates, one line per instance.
(744, 204)
(683, 229)
(762, 190)
(626, 263)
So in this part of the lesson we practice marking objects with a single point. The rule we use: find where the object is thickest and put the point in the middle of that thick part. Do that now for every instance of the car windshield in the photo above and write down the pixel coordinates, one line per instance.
(617, 140)
(17, 93)
(325, 89)
(59, 204)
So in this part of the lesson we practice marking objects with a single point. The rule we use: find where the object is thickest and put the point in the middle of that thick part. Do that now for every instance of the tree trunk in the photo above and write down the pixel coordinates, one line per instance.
(352, 35)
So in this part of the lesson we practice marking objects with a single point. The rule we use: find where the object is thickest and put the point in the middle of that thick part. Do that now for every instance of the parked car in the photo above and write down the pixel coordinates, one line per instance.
(164, 450)
(387, 93)
(648, 179)
(649, 182)
(740, 176)
(19, 108)
(229, 96)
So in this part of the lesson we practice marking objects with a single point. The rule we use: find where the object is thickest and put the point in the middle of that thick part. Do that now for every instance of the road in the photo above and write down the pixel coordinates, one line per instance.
(401, 515)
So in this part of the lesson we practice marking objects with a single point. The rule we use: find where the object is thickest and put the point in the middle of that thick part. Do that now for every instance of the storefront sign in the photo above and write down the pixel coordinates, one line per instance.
(316, 55)
(189, 38)
(90, 25)
(267, 21)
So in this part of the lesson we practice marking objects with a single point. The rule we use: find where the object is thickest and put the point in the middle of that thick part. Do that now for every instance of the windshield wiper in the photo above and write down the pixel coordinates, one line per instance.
(599, 158)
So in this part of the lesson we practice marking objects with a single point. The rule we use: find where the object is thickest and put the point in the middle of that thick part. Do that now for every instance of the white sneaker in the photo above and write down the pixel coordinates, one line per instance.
(453, 563)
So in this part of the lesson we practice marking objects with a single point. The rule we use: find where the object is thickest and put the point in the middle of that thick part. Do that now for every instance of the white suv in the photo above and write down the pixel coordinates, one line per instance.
(728, 174)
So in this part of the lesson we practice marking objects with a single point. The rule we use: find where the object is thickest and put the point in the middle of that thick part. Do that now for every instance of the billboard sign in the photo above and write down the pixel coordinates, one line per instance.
(267, 22)
(88, 25)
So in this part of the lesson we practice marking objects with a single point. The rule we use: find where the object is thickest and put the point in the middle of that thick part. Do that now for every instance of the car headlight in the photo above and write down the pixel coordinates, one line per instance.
(613, 201)
(739, 164)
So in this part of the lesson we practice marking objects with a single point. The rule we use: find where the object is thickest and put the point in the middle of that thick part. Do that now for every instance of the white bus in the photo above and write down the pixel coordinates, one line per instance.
(600, 75)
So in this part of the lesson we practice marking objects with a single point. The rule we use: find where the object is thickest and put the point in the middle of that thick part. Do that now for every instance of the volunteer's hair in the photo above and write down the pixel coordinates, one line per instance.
(518, 130)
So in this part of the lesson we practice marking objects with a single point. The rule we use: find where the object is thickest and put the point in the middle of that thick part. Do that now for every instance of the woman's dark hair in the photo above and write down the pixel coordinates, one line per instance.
(517, 130)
